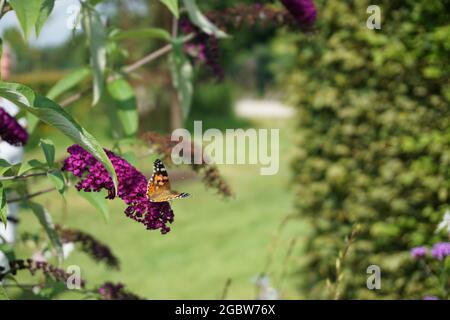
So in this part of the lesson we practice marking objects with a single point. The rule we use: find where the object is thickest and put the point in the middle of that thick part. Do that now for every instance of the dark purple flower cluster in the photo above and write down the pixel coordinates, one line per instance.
(132, 187)
(441, 250)
(111, 291)
(303, 11)
(10, 130)
(33, 266)
(96, 249)
(204, 48)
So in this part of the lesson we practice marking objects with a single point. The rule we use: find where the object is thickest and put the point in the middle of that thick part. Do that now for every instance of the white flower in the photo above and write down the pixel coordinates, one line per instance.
(4, 263)
(67, 249)
(445, 223)
(265, 291)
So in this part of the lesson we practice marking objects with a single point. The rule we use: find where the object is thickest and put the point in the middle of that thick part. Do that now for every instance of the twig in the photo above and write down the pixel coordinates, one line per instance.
(24, 176)
(341, 259)
(285, 262)
(274, 243)
(148, 58)
(225, 289)
(128, 69)
(31, 195)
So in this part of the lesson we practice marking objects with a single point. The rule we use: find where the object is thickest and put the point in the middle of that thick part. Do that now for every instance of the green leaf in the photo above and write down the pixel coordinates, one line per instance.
(4, 166)
(51, 113)
(30, 165)
(32, 122)
(27, 12)
(125, 101)
(144, 33)
(68, 82)
(3, 294)
(46, 222)
(3, 206)
(201, 21)
(98, 201)
(182, 74)
(44, 13)
(97, 37)
(173, 6)
(57, 179)
(49, 151)
(1, 53)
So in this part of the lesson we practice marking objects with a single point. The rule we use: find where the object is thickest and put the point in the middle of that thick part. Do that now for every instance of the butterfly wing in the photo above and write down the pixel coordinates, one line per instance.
(158, 188)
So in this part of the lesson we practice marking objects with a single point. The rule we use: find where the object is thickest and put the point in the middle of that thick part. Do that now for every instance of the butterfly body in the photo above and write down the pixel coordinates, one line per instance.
(158, 188)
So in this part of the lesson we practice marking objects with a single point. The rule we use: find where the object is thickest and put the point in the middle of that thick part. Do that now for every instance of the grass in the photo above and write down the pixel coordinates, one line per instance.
(211, 240)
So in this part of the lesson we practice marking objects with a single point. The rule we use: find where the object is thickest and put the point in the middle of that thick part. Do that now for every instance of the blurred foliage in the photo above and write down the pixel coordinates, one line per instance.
(374, 141)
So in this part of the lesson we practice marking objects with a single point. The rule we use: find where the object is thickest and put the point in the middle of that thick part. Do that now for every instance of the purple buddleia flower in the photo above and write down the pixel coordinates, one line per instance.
(418, 252)
(112, 291)
(10, 130)
(204, 48)
(430, 298)
(132, 188)
(441, 250)
(303, 11)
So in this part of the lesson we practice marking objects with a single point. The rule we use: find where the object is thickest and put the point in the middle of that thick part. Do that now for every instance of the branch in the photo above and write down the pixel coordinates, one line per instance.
(128, 69)
(31, 195)
(24, 176)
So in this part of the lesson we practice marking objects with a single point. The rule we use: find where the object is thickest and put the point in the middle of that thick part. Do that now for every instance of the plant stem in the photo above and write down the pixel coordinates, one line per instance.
(225, 289)
(127, 69)
(24, 176)
(31, 195)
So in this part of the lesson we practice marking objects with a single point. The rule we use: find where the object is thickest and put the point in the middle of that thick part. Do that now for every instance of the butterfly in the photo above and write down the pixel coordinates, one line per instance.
(158, 187)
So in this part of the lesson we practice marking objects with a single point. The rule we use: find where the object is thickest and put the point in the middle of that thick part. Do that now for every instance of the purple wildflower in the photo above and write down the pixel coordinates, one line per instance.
(10, 130)
(204, 48)
(418, 252)
(132, 187)
(111, 291)
(441, 250)
(304, 11)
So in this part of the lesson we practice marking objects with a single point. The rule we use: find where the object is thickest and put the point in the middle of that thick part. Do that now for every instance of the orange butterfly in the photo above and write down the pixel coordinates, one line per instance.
(158, 188)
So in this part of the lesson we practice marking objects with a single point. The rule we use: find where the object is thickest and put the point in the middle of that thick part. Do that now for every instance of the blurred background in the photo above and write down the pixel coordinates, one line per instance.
(364, 125)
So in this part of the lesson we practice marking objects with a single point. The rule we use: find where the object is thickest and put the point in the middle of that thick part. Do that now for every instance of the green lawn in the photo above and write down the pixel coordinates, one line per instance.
(211, 239)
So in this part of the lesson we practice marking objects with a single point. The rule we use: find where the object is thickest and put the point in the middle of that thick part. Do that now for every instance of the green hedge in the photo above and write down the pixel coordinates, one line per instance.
(374, 141)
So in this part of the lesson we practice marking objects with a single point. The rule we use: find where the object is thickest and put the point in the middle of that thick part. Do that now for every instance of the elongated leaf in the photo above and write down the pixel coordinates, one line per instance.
(45, 219)
(182, 73)
(144, 33)
(1, 54)
(98, 201)
(51, 113)
(201, 21)
(27, 13)
(49, 151)
(125, 102)
(3, 293)
(44, 13)
(3, 206)
(4, 166)
(30, 165)
(97, 38)
(173, 6)
(68, 82)
(32, 122)
(57, 178)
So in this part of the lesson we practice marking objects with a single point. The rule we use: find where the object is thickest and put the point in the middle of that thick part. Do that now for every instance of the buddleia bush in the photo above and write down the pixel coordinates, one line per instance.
(373, 142)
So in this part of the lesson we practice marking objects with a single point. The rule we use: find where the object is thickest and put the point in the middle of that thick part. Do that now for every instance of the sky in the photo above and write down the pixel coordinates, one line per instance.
(55, 31)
